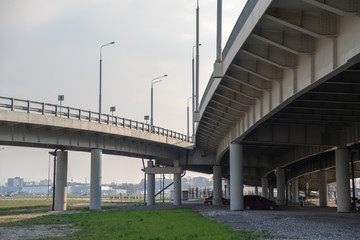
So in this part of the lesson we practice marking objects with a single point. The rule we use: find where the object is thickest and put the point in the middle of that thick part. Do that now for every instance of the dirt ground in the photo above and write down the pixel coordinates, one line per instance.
(36, 231)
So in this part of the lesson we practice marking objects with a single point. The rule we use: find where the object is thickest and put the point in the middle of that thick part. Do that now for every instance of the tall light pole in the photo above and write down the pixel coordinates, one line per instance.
(100, 77)
(193, 87)
(187, 111)
(218, 34)
(153, 81)
(197, 58)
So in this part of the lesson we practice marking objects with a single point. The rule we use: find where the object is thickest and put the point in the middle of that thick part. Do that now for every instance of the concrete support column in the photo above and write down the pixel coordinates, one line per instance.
(323, 200)
(236, 177)
(217, 185)
(288, 191)
(150, 185)
(342, 157)
(264, 187)
(227, 195)
(256, 190)
(61, 181)
(280, 185)
(271, 193)
(295, 190)
(95, 179)
(177, 186)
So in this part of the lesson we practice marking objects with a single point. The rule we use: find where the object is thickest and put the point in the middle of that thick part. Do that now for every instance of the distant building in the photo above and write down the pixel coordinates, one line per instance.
(79, 189)
(15, 182)
(36, 190)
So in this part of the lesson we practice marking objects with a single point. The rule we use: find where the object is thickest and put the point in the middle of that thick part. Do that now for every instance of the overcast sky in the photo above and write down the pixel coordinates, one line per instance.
(51, 47)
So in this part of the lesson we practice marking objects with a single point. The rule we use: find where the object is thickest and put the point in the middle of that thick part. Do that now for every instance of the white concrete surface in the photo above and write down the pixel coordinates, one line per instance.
(342, 158)
(236, 178)
(280, 185)
(95, 179)
(217, 183)
(61, 181)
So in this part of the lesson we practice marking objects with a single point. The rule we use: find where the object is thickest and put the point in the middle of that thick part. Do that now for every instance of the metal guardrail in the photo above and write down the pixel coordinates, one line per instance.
(20, 105)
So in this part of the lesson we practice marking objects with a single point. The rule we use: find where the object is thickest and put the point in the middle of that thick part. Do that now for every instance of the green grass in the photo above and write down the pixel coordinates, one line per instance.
(143, 225)
(12, 207)
(23, 205)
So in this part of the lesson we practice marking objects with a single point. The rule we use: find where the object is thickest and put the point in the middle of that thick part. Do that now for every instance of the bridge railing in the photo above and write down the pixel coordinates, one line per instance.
(55, 110)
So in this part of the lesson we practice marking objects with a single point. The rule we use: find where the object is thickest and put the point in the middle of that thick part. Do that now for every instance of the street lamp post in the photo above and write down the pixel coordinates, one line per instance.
(193, 87)
(100, 77)
(197, 58)
(153, 81)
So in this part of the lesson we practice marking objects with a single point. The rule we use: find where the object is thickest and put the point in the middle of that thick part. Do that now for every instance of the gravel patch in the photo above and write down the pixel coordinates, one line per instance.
(291, 223)
(35, 232)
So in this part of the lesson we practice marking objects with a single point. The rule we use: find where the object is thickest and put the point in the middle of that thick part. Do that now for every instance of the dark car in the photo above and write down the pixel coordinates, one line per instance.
(357, 202)
(209, 200)
(258, 202)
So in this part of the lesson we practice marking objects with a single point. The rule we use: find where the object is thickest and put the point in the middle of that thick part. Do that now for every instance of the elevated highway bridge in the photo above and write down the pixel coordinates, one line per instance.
(280, 110)
(285, 98)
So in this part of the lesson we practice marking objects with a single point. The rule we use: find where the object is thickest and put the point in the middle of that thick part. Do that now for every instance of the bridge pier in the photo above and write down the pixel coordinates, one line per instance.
(61, 181)
(177, 186)
(95, 179)
(264, 187)
(323, 201)
(150, 185)
(280, 185)
(217, 185)
(342, 157)
(236, 177)
(295, 190)
(271, 193)
(227, 193)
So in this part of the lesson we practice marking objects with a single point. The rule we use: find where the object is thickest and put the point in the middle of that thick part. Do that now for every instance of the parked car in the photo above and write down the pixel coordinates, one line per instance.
(258, 202)
(209, 200)
(357, 201)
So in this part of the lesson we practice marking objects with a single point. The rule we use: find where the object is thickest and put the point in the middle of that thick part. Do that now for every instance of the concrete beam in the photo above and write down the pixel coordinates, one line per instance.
(240, 93)
(266, 60)
(299, 28)
(232, 100)
(333, 9)
(163, 170)
(246, 83)
(282, 45)
(262, 76)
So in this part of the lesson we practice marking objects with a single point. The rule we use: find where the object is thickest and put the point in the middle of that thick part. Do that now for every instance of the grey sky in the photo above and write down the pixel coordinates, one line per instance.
(51, 47)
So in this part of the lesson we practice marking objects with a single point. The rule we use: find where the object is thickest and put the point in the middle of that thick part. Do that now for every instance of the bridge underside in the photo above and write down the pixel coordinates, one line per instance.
(42, 131)
(288, 91)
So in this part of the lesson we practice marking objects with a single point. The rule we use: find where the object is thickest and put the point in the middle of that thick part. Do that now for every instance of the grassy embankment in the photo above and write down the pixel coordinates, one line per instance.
(35, 204)
(172, 224)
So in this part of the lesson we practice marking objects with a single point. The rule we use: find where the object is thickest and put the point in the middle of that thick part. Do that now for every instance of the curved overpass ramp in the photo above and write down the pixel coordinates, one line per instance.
(286, 90)
(35, 124)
